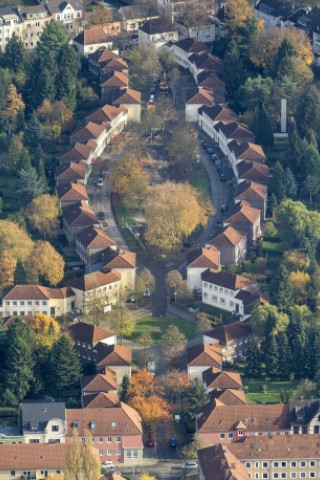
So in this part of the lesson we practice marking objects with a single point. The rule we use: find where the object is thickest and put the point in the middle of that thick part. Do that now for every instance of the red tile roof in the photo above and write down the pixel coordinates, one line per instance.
(113, 355)
(219, 113)
(80, 214)
(78, 152)
(129, 97)
(221, 380)
(107, 113)
(205, 355)
(72, 192)
(248, 190)
(27, 456)
(71, 171)
(242, 212)
(89, 131)
(229, 396)
(222, 462)
(252, 170)
(93, 36)
(228, 236)
(35, 292)
(95, 280)
(117, 79)
(204, 258)
(103, 55)
(228, 333)
(94, 237)
(235, 130)
(101, 400)
(199, 96)
(227, 280)
(100, 382)
(88, 333)
(119, 259)
(247, 150)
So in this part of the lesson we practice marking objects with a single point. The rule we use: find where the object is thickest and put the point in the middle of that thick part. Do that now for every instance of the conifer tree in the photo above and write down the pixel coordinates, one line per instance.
(284, 356)
(14, 54)
(124, 389)
(253, 367)
(283, 65)
(272, 357)
(295, 151)
(281, 290)
(65, 366)
(33, 133)
(197, 396)
(262, 126)
(308, 112)
(233, 71)
(290, 183)
(277, 182)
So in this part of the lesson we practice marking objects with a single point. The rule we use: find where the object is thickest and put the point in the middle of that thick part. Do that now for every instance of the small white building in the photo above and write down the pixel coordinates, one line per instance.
(205, 33)
(43, 422)
(156, 32)
(92, 39)
(195, 99)
(198, 261)
(202, 357)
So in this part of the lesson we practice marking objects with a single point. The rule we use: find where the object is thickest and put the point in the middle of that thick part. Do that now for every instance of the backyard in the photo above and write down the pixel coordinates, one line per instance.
(259, 391)
(157, 326)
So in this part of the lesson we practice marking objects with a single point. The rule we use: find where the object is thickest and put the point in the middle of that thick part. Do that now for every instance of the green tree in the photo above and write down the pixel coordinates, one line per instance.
(253, 366)
(255, 91)
(65, 369)
(284, 356)
(266, 319)
(33, 132)
(14, 55)
(30, 185)
(233, 70)
(18, 155)
(53, 38)
(284, 60)
(173, 341)
(308, 112)
(281, 292)
(297, 337)
(262, 126)
(197, 396)
(122, 322)
(124, 389)
(290, 183)
(272, 356)
(5, 80)
(277, 182)
(295, 151)
(19, 362)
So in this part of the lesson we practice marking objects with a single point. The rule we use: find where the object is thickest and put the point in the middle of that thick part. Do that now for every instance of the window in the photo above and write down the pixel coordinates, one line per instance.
(113, 424)
(94, 424)
(37, 302)
(75, 424)
(220, 289)
(265, 464)
(55, 428)
(231, 304)
(100, 439)
(256, 475)
(293, 464)
(293, 475)
(109, 451)
(275, 475)
(205, 295)
(286, 433)
(100, 452)
(205, 285)
(302, 474)
(128, 454)
(15, 303)
(215, 288)
(302, 463)
(44, 302)
(109, 439)
(265, 475)
(283, 464)
(248, 464)
(222, 435)
(240, 433)
(29, 302)
(283, 475)
(35, 440)
(214, 298)
(222, 301)
(312, 463)
(276, 464)
(13, 473)
(135, 454)
(312, 475)
(118, 439)
(230, 435)
(22, 302)
(257, 464)
(210, 286)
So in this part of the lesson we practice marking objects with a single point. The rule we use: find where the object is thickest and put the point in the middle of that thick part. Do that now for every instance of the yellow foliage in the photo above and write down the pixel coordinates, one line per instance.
(127, 172)
(42, 214)
(7, 268)
(45, 261)
(44, 324)
(15, 240)
(295, 260)
(300, 282)
(146, 476)
(14, 105)
(143, 384)
(152, 410)
(236, 12)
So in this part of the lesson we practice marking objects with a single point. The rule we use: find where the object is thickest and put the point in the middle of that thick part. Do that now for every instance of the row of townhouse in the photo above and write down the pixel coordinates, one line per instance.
(28, 22)
(263, 457)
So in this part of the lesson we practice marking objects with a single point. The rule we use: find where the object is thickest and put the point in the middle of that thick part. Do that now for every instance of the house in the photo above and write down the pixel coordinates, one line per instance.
(276, 13)
(230, 292)
(202, 357)
(305, 416)
(195, 99)
(198, 261)
(99, 382)
(242, 150)
(171, 9)
(223, 380)
(229, 396)
(32, 461)
(101, 400)
(156, 32)
(131, 100)
(111, 115)
(116, 357)
(219, 423)
(204, 62)
(80, 152)
(310, 23)
(35, 18)
(255, 194)
(133, 17)
(182, 49)
(71, 172)
(43, 422)
(231, 243)
(77, 218)
(253, 171)
(100, 133)
(226, 132)
(26, 300)
(101, 57)
(234, 337)
(213, 83)
(69, 13)
(112, 85)
(116, 432)
(204, 32)
(210, 116)
(91, 243)
(245, 218)
(92, 39)
(72, 193)
(218, 459)
(86, 337)
(96, 285)
(10, 22)
(114, 64)
(123, 262)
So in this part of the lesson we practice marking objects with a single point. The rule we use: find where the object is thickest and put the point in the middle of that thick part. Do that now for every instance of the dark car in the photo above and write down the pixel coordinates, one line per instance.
(209, 150)
(101, 216)
(150, 443)
(173, 442)
(219, 170)
(223, 177)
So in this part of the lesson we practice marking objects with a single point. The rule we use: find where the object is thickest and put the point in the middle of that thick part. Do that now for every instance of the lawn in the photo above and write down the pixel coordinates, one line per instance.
(272, 247)
(272, 394)
(225, 316)
(123, 213)
(278, 150)
(200, 181)
(157, 326)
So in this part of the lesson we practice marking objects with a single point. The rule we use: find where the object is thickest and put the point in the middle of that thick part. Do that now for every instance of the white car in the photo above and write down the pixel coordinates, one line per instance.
(190, 465)
(100, 182)
(108, 464)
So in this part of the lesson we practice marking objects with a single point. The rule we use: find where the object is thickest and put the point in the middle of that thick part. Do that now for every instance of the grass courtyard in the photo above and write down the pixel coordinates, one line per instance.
(157, 326)
(272, 392)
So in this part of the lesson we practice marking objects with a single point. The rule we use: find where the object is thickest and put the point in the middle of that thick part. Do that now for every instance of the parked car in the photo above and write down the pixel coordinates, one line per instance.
(193, 308)
(108, 464)
(190, 465)
(202, 141)
(205, 145)
(223, 177)
(219, 170)
(101, 216)
(173, 442)
(209, 150)
(214, 157)
(100, 182)
(150, 443)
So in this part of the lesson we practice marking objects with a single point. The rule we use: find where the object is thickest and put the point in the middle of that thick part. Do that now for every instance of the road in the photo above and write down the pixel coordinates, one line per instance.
(168, 469)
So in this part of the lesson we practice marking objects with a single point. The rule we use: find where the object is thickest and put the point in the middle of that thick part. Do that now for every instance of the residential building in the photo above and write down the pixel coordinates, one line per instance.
(77, 218)
(245, 218)
(219, 423)
(116, 357)
(101, 400)
(203, 357)
(26, 300)
(222, 462)
(223, 380)
(277, 13)
(305, 416)
(99, 133)
(71, 172)
(101, 57)
(195, 99)
(255, 194)
(243, 150)
(92, 39)
(34, 18)
(124, 262)
(230, 292)
(69, 13)
(43, 422)
(116, 432)
(206, 62)
(156, 32)
(112, 85)
(198, 261)
(96, 285)
(32, 461)
(253, 171)
(171, 9)
(98, 383)
(310, 23)
(205, 32)
(229, 396)
(86, 337)
(80, 152)
(133, 17)
(231, 243)
(213, 83)
(226, 132)
(71, 194)
(183, 49)
(115, 64)
(10, 22)
(234, 337)
(131, 100)
(210, 116)
(91, 243)
(111, 115)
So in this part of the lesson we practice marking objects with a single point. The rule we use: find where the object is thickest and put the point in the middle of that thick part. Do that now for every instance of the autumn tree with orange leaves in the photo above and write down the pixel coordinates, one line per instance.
(152, 410)
(143, 384)
(175, 383)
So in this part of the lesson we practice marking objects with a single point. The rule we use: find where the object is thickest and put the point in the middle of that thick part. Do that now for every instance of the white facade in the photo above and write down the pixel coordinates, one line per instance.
(84, 50)
(194, 278)
(201, 33)
(316, 46)
(192, 112)
(10, 23)
(157, 40)
(27, 307)
(54, 432)
(196, 372)
(68, 15)
(222, 298)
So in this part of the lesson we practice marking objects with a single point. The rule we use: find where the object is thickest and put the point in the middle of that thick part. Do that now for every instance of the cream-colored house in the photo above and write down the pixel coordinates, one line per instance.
(157, 32)
(123, 262)
(131, 100)
(10, 23)
(92, 39)
(198, 261)
(43, 422)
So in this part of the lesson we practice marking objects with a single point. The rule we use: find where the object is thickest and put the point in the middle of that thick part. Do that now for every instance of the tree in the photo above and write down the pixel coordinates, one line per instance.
(44, 262)
(172, 213)
(145, 281)
(145, 64)
(236, 12)
(173, 341)
(308, 112)
(305, 389)
(129, 171)
(204, 322)
(65, 369)
(197, 396)
(152, 410)
(53, 38)
(255, 91)
(233, 70)
(295, 151)
(7, 269)
(266, 319)
(142, 384)
(253, 365)
(146, 476)
(300, 284)
(311, 184)
(262, 126)
(295, 260)
(14, 54)
(283, 62)
(99, 15)
(182, 148)
(18, 155)
(83, 461)
(33, 132)
(15, 240)
(42, 215)
(284, 356)
(124, 394)
(30, 184)
(281, 289)
(176, 383)
(174, 280)
(19, 361)
(277, 183)
(46, 330)
(122, 322)
(290, 183)
(14, 105)
(272, 356)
